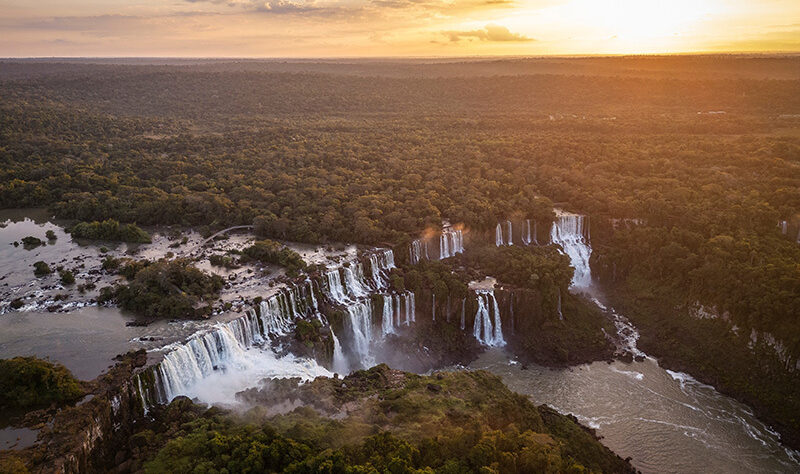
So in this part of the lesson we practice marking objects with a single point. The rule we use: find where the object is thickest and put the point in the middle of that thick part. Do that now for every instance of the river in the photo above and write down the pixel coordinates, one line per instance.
(666, 422)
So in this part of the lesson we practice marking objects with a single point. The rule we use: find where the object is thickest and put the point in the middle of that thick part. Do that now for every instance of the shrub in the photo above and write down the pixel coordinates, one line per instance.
(67, 278)
(269, 251)
(41, 269)
(110, 230)
(28, 382)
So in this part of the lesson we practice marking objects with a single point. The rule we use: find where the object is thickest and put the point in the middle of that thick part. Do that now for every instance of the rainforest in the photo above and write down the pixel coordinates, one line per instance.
(473, 265)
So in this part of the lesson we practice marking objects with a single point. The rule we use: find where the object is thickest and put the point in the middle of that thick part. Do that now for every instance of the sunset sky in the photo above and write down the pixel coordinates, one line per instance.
(348, 28)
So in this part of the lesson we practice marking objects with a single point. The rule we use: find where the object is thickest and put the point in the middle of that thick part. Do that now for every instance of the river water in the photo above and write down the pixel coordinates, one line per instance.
(666, 422)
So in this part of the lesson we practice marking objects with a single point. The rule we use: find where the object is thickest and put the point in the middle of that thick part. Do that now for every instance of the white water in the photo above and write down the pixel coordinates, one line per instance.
(339, 361)
(526, 237)
(665, 421)
(498, 235)
(451, 242)
(509, 231)
(335, 289)
(568, 231)
(487, 328)
(213, 365)
(360, 326)
(418, 250)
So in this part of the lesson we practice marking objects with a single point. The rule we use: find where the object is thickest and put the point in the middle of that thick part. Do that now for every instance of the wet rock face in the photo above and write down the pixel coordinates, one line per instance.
(89, 436)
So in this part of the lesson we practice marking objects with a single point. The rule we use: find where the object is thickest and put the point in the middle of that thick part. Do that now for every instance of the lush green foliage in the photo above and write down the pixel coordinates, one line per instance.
(269, 251)
(30, 242)
(167, 289)
(431, 277)
(448, 423)
(41, 269)
(28, 382)
(67, 277)
(544, 269)
(111, 230)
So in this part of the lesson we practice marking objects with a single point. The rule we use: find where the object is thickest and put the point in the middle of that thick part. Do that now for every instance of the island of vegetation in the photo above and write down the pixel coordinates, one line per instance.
(110, 230)
(28, 382)
(173, 289)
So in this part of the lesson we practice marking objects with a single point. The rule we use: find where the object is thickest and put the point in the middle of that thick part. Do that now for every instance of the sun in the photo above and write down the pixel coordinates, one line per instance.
(632, 20)
(617, 26)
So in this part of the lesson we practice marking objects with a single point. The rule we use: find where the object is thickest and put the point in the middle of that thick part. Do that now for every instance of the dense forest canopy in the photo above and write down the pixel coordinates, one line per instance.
(703, 151)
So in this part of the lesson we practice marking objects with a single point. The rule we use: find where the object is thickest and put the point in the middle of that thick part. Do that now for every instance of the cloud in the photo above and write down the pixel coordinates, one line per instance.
(488, 33)
(353, 8)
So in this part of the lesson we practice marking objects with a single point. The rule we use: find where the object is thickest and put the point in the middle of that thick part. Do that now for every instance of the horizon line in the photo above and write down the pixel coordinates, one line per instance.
(433, 57)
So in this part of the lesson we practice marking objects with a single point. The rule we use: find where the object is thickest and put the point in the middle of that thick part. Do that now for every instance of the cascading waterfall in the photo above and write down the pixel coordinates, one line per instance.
(451, 242)
(560, 314)
(239, 345)
(433, 306)
(354, 281)
(387, 318)
(488, 327)
(463, 315)
(380, 262)
(410, 309)
(360, 325)
(568, 231)
(526, 238)
(335, 290)
(314, 303)
(499, 239)
(511, 310)
(339, 361)
(418, 251)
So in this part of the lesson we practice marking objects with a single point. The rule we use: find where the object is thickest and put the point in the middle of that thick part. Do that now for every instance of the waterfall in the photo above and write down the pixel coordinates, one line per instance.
(354, 281)
(387, 318)
(360, 325)
(380, 262)
(511, 310)
(451, 242)
(339, 362)
(273, 316)
(418, 251)
(410, 308)
(335, 288)
(560, 314)
(314, 303)
(526, 238)
(784, 227)
(568, 231)
(463, 319)
(488, 327)
(214, 364)
(433, 305)
(535, 233)
(510, 233)
(444, 246)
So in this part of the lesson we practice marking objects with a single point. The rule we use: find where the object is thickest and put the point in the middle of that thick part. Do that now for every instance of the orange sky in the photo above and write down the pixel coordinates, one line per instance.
(347, 28)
